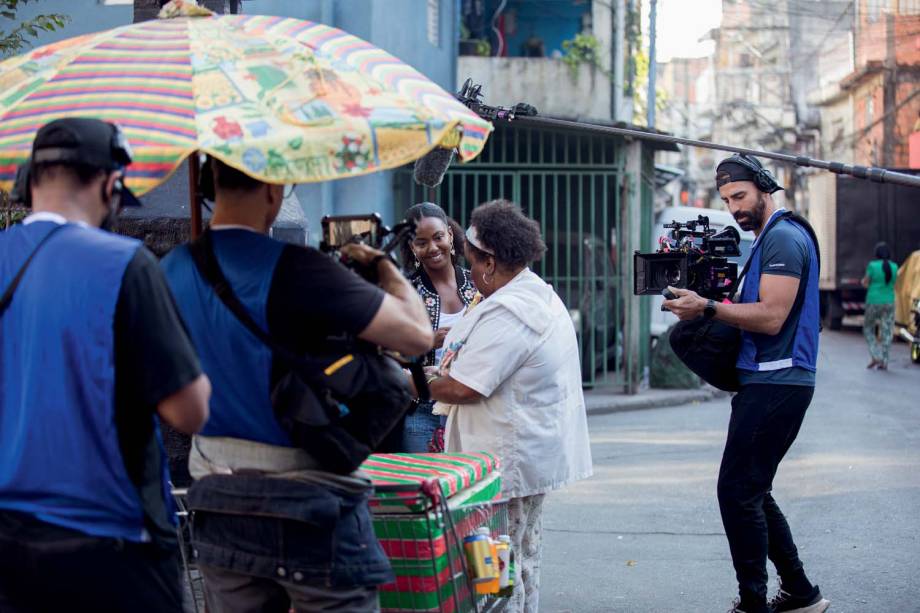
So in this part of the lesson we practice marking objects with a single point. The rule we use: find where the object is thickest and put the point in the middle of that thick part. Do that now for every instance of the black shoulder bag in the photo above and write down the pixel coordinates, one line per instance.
(338, 407)
(710, 348)
(7, 297)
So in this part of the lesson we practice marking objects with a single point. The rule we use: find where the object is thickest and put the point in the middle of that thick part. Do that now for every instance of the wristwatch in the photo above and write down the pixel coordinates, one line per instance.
(709, 311)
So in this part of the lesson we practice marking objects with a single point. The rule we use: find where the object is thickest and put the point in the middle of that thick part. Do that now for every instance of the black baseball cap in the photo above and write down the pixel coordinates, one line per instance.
(84, 140)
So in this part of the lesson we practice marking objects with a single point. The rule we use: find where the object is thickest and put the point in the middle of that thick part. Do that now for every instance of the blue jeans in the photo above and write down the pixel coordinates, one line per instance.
(419, 428)
(286, 530)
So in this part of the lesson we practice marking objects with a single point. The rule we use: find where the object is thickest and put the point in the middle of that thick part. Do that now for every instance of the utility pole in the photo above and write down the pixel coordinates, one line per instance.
(619, 45)
(652, 63)
(890, 94)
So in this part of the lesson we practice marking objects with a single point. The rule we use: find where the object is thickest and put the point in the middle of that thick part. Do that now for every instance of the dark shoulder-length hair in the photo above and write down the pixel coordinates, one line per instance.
(420, 211)
(502, 227)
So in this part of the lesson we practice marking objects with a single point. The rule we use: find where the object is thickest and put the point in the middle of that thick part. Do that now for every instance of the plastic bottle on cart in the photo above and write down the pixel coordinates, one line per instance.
(489, 584)
(483, 563)
(505, 562)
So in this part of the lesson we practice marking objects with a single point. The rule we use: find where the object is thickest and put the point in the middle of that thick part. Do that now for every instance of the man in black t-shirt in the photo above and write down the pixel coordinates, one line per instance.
(92, 352)
(305, 540)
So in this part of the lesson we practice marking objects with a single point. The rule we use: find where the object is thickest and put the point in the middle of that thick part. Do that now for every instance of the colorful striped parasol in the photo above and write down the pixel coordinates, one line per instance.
(284, 100)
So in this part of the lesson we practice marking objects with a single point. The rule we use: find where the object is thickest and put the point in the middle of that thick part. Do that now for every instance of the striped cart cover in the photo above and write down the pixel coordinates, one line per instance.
(425, 552)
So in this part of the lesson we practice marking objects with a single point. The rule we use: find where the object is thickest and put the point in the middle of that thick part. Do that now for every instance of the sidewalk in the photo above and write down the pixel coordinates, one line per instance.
(604, 400)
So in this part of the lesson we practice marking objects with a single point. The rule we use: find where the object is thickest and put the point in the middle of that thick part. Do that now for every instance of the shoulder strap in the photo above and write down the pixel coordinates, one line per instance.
(7, 297)
(747, 265)
(806, 270)
(811, 232)
(202, 251)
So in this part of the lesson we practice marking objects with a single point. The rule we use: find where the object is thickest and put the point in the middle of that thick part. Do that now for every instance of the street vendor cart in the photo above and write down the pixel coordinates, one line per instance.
(424, 505)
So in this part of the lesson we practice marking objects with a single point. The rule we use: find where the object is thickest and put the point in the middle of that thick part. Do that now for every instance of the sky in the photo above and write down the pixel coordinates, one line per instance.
(681, 23)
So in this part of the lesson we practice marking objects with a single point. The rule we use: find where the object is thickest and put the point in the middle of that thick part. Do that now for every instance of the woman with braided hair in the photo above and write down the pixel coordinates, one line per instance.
(446, 289)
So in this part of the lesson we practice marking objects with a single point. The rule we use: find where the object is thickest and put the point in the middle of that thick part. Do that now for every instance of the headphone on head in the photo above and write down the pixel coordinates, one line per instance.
(206, 188)
(763, 178)
(120, 152)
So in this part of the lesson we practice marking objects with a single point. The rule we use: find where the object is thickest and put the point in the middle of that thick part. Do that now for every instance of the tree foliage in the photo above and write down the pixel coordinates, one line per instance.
(15, 34)
(583, 49)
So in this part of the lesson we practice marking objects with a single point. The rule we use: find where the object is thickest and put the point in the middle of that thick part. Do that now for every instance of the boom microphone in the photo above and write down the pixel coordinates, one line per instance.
(431, 167)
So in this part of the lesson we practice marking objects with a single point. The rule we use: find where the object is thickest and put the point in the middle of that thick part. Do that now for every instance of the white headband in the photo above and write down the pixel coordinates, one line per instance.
(473, 236)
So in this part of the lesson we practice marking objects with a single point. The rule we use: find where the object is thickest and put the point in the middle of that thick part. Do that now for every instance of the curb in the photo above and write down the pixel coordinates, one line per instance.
(604, 404)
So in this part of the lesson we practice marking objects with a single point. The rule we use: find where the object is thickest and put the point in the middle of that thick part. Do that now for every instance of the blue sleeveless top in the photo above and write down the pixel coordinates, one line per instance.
(238, 364)
(59, 451)
(791, 356)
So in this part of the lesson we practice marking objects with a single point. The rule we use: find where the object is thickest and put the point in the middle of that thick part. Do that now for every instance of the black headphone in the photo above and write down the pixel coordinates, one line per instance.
(120, 152)
(206, 187)
(763, 178)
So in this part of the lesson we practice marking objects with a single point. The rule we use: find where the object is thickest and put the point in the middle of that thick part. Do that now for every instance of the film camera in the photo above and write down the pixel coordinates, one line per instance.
(691, 256)
(368, 229)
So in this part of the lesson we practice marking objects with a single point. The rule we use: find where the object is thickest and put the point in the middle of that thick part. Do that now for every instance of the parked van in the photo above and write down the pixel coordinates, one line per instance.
(662, 320)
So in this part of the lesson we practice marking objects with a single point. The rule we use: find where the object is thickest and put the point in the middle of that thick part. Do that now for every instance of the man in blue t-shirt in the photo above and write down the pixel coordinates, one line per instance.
(778, 318)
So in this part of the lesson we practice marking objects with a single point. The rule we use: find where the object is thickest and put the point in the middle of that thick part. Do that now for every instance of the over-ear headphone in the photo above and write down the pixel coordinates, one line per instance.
(21, 194)
(119, 150)
(763, 178)
(206, 187)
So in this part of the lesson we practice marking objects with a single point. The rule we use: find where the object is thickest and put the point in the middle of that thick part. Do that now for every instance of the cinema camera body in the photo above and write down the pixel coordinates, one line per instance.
(691, 256)
(367, 229)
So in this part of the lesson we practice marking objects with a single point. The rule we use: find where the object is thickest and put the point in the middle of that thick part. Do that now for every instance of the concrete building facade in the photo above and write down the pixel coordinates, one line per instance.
(885, 82)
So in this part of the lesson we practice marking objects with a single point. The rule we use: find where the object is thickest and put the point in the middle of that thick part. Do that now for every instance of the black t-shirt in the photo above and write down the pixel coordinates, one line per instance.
(154, 358)
(312, 297)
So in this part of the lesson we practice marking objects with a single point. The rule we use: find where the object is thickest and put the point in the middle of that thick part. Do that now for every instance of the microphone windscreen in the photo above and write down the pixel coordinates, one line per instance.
(431, 167)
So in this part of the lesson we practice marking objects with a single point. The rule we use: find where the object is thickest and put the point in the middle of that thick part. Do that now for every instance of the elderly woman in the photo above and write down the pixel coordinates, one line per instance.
(512, 380)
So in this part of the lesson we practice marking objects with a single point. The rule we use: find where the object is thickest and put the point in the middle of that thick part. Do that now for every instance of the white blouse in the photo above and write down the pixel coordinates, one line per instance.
(518, 349)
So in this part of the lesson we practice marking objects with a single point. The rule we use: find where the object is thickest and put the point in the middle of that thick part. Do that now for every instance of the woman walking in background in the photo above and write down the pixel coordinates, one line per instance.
(879, 320)
(446, 288)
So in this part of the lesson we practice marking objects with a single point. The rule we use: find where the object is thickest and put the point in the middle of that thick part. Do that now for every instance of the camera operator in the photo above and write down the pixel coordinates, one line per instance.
(778, 317)
(283, 533)
(92, 351)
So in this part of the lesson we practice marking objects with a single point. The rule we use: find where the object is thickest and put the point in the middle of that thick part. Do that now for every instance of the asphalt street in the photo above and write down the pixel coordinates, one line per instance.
(644, 534)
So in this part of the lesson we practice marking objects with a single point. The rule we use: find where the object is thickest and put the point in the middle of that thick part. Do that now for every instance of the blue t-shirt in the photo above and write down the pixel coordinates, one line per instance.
(784, 252)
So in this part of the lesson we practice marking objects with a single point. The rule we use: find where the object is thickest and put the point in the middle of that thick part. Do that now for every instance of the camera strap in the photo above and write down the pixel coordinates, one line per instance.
(797, 219)
(202, 251)
(7, 297)
(312, 370)
(747, 265)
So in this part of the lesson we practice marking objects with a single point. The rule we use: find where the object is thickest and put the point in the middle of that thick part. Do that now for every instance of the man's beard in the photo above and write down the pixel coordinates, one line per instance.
(752, 220)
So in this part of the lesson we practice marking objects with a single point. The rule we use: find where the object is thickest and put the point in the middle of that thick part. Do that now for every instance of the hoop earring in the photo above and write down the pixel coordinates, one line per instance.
(486, 282)
(452, 252)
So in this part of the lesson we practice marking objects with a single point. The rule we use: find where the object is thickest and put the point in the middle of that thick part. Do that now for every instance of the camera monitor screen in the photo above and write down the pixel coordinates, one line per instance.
(339, 231)
(656, 271)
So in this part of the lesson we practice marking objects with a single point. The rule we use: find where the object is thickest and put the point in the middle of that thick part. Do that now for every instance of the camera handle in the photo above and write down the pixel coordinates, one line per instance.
(668, 295)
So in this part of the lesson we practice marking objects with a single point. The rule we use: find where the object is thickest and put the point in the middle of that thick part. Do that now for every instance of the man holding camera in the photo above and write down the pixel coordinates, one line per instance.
(92, 351)
(281, 532)
(779, 321)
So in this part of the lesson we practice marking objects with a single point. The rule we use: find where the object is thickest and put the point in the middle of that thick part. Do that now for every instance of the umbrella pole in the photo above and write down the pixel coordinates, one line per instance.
(194, 195)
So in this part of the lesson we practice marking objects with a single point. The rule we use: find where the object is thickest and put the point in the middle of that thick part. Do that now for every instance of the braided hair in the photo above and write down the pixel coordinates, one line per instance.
(422, 210)
(883, 253)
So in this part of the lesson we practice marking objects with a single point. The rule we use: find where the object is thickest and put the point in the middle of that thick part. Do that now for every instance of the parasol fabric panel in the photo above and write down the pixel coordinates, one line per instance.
(284, 100)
